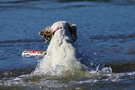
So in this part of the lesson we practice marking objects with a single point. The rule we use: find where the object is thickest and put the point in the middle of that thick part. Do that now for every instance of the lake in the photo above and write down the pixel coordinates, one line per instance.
(106, 37)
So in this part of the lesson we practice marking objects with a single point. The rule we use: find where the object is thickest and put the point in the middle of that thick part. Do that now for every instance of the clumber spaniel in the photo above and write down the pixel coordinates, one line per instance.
(61, 50)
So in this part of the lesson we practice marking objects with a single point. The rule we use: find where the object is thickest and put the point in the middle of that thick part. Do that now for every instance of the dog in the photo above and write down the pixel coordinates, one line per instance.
(61, 50)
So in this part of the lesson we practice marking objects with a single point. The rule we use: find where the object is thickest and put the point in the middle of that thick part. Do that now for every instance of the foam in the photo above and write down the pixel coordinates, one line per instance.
(91, 60)
(69, 65)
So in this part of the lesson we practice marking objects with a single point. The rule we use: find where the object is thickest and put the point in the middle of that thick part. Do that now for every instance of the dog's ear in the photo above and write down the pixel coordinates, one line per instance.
(46, 33)
(73, 31)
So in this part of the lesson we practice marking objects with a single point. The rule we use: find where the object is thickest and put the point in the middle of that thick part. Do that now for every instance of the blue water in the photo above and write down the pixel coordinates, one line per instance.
(109, 27)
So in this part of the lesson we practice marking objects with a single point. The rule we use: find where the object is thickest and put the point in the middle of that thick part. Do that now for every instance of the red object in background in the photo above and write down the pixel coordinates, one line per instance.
(30, 53)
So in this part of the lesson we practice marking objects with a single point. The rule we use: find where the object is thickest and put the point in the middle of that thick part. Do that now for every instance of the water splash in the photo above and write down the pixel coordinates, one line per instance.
(90, 61)
(59, 77)
(68, 66)
(79, 79)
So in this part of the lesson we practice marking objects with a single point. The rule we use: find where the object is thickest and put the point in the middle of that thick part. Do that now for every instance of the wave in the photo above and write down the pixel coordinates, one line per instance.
(128, 67)
(17, 1)
(22, 41)
(97, 37)
(118, 36)
(80, 79)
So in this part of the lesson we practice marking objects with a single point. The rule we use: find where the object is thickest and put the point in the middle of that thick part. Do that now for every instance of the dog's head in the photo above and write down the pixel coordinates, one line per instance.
(48, 33)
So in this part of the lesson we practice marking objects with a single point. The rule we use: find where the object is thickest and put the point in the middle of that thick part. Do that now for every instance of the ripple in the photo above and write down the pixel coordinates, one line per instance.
(127, 67)
(17, 1)
(22, 40)
(78, 80)
(119, 36)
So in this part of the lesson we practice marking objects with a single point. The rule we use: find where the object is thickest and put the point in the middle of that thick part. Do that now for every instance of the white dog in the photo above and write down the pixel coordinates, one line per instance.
(61, 50)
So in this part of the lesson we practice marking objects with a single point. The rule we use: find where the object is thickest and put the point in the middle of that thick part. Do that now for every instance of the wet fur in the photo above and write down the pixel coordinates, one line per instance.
(61, 50)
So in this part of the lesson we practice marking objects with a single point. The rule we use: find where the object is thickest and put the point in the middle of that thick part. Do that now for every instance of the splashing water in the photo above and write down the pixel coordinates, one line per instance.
(91, 61)
(44, 67)
(59, 76)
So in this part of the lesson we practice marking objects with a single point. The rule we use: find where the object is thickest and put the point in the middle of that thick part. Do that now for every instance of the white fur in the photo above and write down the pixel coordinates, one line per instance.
(61, 50)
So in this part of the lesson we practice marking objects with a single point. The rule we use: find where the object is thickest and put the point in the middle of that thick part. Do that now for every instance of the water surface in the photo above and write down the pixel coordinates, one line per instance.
(106, 35)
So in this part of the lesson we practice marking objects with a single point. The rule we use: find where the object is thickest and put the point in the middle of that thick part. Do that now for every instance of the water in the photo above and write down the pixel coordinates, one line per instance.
(106, 37)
